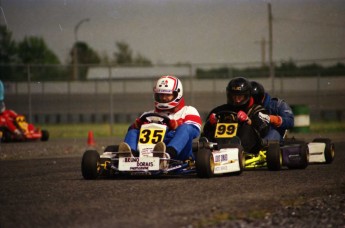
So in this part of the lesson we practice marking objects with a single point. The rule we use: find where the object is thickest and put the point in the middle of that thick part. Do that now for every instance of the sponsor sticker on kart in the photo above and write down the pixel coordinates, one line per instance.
(226, 130)
(139, 164)
(226, 160)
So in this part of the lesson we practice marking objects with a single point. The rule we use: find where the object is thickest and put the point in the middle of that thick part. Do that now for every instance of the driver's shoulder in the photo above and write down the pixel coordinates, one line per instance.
(256, 108)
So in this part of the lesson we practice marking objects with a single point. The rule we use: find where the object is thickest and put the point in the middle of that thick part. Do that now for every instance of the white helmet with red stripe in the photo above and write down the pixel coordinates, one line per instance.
(168, 85)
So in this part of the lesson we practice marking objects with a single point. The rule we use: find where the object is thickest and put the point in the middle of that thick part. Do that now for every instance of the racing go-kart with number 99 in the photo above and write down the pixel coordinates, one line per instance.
(272, 155)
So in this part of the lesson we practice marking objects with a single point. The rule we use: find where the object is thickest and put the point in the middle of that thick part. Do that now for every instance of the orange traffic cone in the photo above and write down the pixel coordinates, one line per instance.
(90, 139)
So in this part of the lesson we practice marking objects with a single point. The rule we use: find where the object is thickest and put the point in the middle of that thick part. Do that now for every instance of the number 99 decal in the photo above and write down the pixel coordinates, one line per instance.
(151, 136)
(226, 130)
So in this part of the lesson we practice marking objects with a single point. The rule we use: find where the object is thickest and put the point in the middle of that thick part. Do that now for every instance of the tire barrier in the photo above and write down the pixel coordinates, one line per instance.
(302, 118)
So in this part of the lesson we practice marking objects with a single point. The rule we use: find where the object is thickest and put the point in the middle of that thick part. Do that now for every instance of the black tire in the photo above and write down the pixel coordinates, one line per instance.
(6, 136)
(304, 157)
(274, 156)
(329, 149)
(45, 135)
(204, 163)
(90, 165)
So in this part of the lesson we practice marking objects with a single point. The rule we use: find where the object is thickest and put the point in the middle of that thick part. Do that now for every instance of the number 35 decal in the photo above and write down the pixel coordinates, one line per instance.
(151, 136)
(226, 130)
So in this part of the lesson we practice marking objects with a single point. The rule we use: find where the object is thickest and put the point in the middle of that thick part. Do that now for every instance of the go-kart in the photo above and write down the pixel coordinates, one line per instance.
(271, 155)
(292, 154)
(28, 130)
(112, 162)
(224, 155)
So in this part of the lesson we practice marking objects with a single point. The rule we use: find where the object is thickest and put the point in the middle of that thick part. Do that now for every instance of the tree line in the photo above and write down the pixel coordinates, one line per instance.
(15, 57)
(33, 51)
(284, 69)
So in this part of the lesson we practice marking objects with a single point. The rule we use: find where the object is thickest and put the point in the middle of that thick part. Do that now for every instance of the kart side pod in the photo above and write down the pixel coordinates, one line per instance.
(295, 156)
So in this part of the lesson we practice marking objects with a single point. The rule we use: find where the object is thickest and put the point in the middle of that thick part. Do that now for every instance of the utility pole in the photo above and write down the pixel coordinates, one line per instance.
(270, 45)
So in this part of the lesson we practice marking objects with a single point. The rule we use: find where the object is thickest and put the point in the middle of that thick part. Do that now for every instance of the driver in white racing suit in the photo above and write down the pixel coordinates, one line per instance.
(184, 126)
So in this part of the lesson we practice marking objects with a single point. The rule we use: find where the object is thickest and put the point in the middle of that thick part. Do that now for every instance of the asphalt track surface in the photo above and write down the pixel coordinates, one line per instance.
(42, 186)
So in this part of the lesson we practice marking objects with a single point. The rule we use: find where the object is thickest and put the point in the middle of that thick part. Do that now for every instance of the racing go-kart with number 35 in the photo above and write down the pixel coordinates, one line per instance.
(113, 162)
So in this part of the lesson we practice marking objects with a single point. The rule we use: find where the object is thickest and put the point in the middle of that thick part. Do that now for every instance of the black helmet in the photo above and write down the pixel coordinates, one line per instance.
(258, 92)
(238, 86)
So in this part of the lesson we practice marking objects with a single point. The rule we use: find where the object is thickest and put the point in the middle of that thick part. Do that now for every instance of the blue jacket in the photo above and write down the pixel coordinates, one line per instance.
(279, 107)
(2, 91)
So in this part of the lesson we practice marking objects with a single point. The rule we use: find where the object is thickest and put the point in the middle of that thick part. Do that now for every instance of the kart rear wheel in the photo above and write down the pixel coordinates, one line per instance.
(274, 156)
(304, 158)
(6, 136)
(329, 149)
(45, 135)
(204, 163)
(90, 165)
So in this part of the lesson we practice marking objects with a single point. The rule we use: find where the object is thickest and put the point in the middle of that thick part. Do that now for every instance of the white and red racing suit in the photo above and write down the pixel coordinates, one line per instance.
(181, 138)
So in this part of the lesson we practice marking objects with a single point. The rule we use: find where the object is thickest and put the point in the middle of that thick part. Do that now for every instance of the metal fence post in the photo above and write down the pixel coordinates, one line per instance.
(111, 111)
(191, 84)
(29, 93)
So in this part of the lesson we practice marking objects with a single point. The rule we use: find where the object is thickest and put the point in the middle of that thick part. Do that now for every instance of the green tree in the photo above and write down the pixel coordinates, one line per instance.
(86, 56)
(142, 60)
(287, 68)
(33, 50)
(8, 54)
(124, 54)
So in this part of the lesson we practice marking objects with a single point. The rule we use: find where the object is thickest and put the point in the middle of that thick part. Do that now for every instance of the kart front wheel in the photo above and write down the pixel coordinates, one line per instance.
(90, 165)
(204, 163)
(45, 135)
(6, 136)
(329, 149)
(274, 156)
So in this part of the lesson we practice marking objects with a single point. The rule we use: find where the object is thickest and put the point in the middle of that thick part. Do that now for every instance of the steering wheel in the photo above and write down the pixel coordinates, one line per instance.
(155, 118)
(227, 116)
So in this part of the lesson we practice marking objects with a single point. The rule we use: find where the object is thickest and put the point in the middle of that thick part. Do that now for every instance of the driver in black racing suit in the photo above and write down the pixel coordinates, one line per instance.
(252, 125)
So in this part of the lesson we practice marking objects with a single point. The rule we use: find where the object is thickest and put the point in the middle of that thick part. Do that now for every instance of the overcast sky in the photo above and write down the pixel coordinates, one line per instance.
(195, 31)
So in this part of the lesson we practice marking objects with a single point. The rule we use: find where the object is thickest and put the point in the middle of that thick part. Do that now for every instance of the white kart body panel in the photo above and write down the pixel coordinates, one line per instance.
(226, 160)
(107, 155)
(139, 164)
(316, 152)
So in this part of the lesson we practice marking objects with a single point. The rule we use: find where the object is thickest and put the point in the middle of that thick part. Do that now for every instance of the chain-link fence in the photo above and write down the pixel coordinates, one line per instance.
(120, 94)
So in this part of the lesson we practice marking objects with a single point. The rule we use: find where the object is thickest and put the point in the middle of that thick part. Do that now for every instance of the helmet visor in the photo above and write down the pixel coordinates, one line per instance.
(165, 97)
